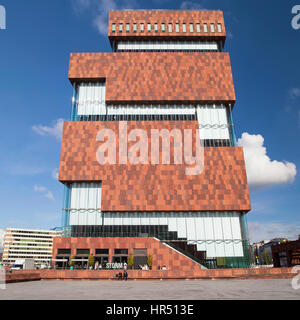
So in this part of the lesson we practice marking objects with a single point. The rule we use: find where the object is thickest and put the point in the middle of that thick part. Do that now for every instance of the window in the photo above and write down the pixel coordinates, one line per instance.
(177, 27)
(134, 27)
(63, 251)
(183, 27)
(163, 27)
(102, 251)
(155, 27)
(205, 27)
(127, 27)
(219, 27)
(170, 27)
(113, 27)
(198, 27)
(213, 122)
(91, 98)
(149, 27)
(120, 27)
(142, 27)
(83, 251)
(191, 27)
(212, 27)
(121, 251)
(85, 196)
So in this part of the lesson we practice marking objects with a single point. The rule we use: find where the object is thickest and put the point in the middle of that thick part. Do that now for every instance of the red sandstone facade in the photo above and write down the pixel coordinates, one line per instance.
(167, 71)
(163, 77)
(221, 186)
(163, 255)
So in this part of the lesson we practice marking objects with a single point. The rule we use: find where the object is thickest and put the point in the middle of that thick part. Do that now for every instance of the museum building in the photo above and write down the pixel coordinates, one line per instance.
(167, 76)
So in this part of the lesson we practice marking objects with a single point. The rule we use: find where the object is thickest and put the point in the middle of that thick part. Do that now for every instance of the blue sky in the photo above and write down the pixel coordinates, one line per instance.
(35, 94)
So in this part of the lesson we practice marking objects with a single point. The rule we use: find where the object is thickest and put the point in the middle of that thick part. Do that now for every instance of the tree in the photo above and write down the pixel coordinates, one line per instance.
(91, 260)
(150, 258)
(130, 260)
(71, 262)
(267, 259)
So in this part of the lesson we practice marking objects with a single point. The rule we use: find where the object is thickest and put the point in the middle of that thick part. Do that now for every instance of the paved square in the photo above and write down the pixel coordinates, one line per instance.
(150, 290)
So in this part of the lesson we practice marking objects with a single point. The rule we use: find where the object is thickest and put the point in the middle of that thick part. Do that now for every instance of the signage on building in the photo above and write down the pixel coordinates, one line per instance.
(111, 265)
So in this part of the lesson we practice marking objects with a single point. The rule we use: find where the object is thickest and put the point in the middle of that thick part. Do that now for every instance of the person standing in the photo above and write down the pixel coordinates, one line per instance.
(125, 274)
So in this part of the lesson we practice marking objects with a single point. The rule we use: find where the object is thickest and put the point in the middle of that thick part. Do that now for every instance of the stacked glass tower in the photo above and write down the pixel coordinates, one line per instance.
(167, 75)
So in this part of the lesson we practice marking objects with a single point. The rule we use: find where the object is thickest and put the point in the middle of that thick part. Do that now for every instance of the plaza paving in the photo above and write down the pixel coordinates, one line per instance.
(152, 290)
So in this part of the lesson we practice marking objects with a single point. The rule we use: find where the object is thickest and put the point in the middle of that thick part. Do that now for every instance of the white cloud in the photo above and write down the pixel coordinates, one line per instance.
(267, 231)
(39, 189)
(54, 130)
(48, 194)
(261, 170)
(102, 17)
(100, 10)
(54, 174)
(2, 235)
(191, 5)
(294, 93)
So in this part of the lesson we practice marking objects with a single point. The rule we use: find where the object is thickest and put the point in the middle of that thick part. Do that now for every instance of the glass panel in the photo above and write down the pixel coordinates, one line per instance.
(83, 251)
(102, 251)
(120, 27)
(121, 251)
(63, 251)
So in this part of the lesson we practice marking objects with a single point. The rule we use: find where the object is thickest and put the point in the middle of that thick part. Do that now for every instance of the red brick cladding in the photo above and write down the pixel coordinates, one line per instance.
(162, 254)
(159, 77)
(221, 186)
(159, 17)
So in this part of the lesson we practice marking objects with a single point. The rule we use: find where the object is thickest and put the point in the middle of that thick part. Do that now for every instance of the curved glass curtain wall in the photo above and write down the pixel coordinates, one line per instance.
(215, 121)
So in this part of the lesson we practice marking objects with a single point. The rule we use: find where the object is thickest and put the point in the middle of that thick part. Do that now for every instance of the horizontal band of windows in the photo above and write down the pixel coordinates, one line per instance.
(166, 46)
(168, 27)
(137, 117)
(151, 110)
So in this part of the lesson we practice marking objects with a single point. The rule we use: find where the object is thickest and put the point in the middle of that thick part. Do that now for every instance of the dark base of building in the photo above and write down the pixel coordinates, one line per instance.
(138, 253)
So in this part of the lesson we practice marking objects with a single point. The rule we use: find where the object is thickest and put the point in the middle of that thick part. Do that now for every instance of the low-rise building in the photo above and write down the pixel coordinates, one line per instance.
(286, 254)
(28, 243)
(260, 250)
